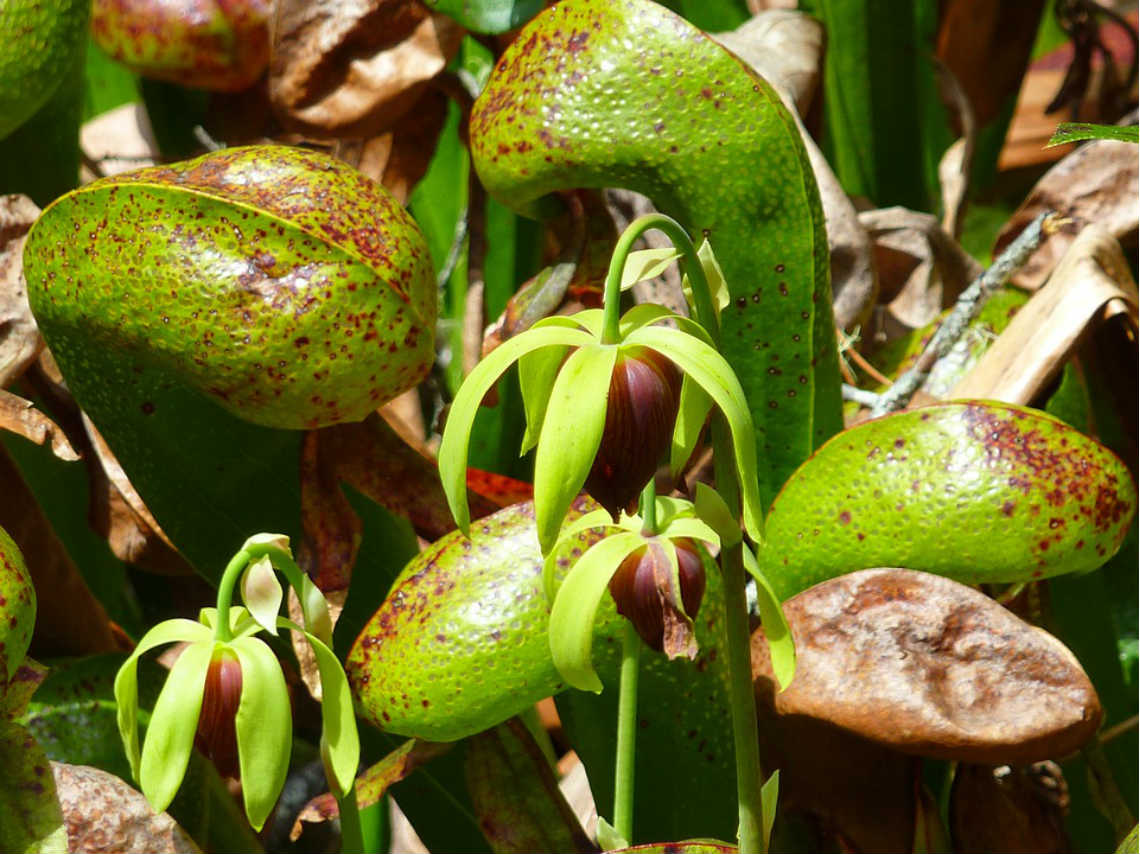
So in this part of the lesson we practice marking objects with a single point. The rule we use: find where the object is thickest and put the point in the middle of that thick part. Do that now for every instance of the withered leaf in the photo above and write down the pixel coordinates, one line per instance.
(20, 339)
(932, 667)
(353, 69)
(1097, 183)
(104, 814)
(1004, 808)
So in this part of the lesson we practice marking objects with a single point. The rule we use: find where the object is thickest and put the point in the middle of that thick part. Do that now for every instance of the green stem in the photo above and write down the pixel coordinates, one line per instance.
(647, 509)
(226, 594)
(626, 733)
(351, 831)
(702, 296)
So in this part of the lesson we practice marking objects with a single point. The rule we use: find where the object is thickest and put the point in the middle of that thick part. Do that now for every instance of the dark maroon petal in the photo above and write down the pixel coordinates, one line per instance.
(645, 392)
(642, 589)
(216, 736)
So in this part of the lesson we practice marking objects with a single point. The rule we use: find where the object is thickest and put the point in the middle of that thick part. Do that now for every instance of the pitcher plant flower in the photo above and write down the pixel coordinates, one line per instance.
(226, 693)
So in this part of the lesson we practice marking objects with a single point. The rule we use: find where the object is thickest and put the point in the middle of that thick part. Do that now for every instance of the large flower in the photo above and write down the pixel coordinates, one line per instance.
(567, 371)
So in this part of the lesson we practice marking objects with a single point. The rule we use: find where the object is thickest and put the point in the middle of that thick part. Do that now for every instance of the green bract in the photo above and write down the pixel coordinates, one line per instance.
(566, 397)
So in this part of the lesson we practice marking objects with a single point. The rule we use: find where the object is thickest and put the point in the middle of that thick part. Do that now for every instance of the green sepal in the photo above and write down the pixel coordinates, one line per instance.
(692, 414)
(690, 529)
(338, 720)
(713, 374)
(599, 518)
(712, 508)
(608, 837)
(315, 607)
(576, 605)
(241, 623)
(264, 725)
(571, 434)
(644, 264)
(588, 320)
(457, 433)
(643, 315)
(261, 592)
(537, 371)
(170, 734)
(127, 685)
(781, 644)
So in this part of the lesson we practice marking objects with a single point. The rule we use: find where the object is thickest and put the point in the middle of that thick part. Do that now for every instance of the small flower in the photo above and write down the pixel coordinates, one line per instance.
(657, 582)
(661, 606)
(226, 694)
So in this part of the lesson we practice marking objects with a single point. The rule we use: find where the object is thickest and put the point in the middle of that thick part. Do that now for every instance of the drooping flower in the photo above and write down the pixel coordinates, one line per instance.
(661, 605)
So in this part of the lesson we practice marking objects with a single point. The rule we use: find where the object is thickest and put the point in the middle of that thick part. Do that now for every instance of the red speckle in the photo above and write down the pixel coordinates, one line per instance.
(1007, 508)
(845, 517)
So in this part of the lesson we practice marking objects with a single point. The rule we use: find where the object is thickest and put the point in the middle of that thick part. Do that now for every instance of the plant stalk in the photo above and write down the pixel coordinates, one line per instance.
(351, 831)
(230, 577)
(626, 752)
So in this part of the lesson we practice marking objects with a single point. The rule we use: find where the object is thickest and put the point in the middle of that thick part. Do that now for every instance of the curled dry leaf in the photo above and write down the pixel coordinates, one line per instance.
(931, 667)
(1009, 808)
(118, 141)
(785, 48)
(1098, 183)
(20, 416)
(354, 69)
(921, 270)
(104, 814)
(1092, 279)
(20, 340)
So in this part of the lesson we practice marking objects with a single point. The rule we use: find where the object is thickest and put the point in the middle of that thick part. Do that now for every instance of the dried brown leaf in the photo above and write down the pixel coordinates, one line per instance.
(69, 621)
(399, 158)
(1092, 276)
(921, 269)
(104, 814)
(306, 658)
(846, 785)
(1099, 183)
(20, 339)
(353, 69)
(20, 416)
(786, 48)
(118, 141)
(374, 460)
(1004, 808)
(931, 667)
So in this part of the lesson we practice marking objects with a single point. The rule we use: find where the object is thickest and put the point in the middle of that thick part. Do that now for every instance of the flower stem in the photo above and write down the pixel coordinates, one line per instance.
(351, 831)
(226, 594)
(626, 732)
(702, 297)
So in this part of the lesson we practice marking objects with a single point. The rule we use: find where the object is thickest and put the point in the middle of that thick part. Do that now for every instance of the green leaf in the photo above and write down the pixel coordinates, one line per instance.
(726, 160)
(338, 720)
(1077, 131)
(769, 799)
(608, 837)
(126, 680)
(537, 370)
(712, 373)
(515, 794)
(644, 264)
(30, 821)
(571, 434)
(711, 507)
(17, 607)
(457, 432)
(980, 492)
(264, 726)
(781, 644)
(261, 592)
(170, 735)
(488, 16)
(576, 606)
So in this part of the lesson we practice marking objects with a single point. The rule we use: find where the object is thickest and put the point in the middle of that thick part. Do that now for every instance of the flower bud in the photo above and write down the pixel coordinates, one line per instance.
(645, 391)
(216, 736)
(642, 589)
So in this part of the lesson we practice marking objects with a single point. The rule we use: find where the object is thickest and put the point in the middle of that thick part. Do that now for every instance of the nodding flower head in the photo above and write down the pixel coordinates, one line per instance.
(661, 606)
